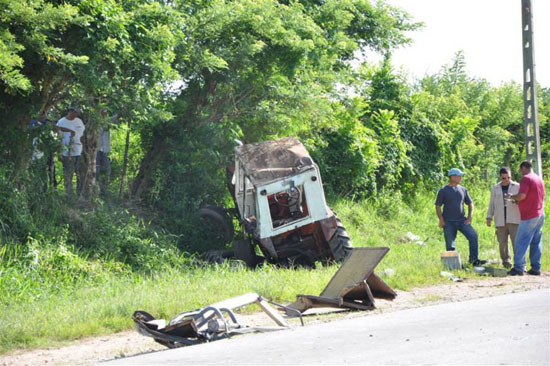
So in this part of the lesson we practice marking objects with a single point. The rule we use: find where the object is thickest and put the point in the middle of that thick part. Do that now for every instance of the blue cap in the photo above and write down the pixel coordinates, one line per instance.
(455, 171)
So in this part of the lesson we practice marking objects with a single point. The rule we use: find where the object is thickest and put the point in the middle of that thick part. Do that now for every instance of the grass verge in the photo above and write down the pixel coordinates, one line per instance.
(52, 293)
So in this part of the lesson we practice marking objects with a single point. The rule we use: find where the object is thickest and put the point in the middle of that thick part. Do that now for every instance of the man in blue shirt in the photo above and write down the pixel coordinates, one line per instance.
(453, 197)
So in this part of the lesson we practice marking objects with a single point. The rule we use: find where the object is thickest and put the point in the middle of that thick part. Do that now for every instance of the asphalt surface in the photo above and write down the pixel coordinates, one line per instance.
(512, 329)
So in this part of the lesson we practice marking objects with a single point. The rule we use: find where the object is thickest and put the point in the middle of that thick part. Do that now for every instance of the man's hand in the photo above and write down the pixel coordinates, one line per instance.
(441, 223)
(489, 222)
(468, 220)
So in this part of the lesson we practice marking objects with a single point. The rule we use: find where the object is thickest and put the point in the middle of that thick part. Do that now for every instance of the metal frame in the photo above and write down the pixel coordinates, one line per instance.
(315, 198)
(208, 323)
(251, 199)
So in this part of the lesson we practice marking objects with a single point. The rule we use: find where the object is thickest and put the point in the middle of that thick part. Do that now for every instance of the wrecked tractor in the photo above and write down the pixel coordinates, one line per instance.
(280, 205)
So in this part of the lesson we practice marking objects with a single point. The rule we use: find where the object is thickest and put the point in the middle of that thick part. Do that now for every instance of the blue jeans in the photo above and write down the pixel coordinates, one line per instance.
(529, 236)
(450, 230)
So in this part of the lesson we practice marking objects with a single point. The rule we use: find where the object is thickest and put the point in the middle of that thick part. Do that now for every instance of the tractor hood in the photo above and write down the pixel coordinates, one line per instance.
(267, 161)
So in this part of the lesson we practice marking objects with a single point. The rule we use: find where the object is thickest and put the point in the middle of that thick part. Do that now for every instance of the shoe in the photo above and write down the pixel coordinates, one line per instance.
(533, 272)
(507, 265)
(478, 262)
(515, 272)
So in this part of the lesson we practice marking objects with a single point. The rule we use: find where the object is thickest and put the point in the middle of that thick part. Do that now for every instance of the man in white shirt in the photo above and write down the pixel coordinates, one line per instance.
(72, 129)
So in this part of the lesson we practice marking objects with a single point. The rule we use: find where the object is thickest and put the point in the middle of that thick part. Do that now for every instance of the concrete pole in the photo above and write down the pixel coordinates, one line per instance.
(532, 136)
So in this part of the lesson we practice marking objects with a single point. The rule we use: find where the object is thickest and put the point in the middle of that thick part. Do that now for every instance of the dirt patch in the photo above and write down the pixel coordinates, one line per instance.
(92, 350)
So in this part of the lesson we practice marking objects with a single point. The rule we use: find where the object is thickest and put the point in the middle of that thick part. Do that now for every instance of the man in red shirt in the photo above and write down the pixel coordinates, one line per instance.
(531, 209)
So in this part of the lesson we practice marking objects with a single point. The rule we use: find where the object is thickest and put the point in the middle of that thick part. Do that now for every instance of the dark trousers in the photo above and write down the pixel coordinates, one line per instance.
(103, 169)
(72, 165)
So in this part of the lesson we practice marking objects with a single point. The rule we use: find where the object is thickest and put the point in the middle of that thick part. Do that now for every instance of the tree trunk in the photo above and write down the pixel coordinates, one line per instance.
(125, 162)
(21, 152)
(142, 182)
(90, 188)
(149, 163)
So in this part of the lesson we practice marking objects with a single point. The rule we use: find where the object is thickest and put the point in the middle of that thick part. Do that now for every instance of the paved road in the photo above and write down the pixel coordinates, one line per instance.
(511, 329)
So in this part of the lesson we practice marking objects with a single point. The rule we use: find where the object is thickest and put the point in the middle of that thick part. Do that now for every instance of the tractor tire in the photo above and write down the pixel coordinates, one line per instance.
(340, 243)
(218, 224)
(245, 252)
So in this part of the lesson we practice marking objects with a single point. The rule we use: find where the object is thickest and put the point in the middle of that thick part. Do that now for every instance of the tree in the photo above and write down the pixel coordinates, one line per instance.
(34, 69)
(265, 68)
(98, 54)
(130, 46)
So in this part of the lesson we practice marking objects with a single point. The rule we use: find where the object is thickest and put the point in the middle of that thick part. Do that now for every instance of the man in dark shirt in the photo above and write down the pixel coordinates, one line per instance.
(453, 197)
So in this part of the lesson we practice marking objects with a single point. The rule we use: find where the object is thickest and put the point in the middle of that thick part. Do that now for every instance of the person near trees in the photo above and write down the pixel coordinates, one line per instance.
(72, 128)
(530, 200)
(103, 164)
(452, 218)
(505, 213)
(44, 144)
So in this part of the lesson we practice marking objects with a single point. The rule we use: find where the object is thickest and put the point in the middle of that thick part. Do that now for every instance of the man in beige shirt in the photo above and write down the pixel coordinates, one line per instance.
(505, 212)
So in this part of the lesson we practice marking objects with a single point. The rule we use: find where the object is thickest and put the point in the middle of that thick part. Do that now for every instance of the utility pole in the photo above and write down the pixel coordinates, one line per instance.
(530, 109)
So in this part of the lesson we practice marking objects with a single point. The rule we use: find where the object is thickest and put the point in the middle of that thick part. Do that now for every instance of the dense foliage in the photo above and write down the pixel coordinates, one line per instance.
(188, 77)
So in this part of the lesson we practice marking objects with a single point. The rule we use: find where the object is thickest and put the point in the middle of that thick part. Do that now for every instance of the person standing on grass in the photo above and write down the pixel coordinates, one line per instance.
(72, 129)
(103, 164)
(531, 208)
(505, 213)
(44, 142)
(453, 197)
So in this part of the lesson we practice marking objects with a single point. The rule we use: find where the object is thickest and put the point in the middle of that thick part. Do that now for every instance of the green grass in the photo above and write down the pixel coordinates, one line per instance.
(51, 293)
(95, 310)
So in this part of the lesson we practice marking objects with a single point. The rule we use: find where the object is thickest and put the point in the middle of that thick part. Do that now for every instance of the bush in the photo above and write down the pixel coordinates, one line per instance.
(15, 217)
(115, 234)
(347, 155)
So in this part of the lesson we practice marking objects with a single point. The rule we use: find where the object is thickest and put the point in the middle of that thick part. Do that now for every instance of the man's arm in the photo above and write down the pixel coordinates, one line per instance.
(470, 213)
(517, 197)
(524, 186)
(63, 129)
(440, 215)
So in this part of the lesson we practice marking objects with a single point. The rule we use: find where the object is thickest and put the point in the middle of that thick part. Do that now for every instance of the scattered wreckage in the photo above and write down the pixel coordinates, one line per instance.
(280, 204)
(353, 286)
(213, 322)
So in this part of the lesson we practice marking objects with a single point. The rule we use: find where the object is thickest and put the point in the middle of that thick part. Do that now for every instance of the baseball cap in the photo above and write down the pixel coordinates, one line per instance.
(72, 108)
(455, 171)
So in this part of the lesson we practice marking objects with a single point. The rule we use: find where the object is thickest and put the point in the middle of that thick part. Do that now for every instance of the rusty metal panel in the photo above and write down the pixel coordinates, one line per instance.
(353, 286)
(355, 269)
(304, 302)
(379, 288)
(271, 160)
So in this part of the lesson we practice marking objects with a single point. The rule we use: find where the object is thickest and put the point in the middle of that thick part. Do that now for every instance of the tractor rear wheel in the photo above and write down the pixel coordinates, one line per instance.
(217, 225)
(340, 243)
